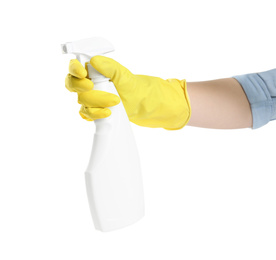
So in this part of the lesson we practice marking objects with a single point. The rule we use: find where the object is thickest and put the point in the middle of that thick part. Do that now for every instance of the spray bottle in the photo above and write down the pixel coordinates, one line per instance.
(113, 175)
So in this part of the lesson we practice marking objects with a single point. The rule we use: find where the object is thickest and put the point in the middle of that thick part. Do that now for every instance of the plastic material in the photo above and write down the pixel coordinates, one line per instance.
(113, 176)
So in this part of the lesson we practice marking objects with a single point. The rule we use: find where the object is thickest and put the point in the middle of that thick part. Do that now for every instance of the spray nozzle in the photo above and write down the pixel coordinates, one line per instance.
(87, 48)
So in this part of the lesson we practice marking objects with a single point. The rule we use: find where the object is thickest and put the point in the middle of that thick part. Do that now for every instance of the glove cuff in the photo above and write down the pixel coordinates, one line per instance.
(186, 113)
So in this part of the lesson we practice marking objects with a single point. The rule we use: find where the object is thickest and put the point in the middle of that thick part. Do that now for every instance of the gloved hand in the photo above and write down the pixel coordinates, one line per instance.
(148, 101)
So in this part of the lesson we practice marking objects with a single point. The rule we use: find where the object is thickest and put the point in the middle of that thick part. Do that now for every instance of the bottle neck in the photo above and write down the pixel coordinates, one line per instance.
(94, 75)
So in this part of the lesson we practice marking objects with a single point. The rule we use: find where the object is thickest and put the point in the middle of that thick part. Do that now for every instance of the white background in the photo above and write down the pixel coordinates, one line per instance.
(210, 194)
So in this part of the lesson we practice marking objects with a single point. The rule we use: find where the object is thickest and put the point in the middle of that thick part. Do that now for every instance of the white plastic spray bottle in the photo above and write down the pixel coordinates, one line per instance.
(113, 176)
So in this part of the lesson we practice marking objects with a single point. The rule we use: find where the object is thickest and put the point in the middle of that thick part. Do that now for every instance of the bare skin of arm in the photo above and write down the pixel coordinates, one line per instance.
(219, 104)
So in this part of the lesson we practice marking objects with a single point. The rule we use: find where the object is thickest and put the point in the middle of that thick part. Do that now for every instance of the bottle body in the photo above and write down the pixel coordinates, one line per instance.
(113, 176)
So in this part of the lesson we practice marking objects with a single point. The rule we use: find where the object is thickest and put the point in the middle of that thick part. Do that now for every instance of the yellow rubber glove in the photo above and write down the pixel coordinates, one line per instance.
(149, 101)
(94, 102)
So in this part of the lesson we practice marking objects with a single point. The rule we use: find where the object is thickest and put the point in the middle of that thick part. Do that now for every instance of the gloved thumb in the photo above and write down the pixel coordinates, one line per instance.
(112, 69)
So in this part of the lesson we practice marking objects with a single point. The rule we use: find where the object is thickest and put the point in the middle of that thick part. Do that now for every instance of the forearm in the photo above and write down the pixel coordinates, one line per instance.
(220, 104)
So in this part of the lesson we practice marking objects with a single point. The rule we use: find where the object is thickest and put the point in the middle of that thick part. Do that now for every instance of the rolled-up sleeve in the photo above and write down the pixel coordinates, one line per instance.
(260, 89)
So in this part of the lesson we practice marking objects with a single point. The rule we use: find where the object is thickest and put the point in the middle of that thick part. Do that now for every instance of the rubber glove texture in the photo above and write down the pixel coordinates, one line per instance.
(94, 103)
(149, 101)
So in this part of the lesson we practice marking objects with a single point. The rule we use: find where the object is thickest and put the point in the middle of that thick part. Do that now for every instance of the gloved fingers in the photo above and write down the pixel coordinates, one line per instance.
(112, 69)
(91, 113)
(98, 99)
(74, 84)
(84, 117)
(76, 69)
